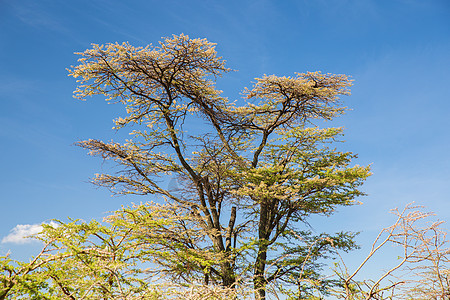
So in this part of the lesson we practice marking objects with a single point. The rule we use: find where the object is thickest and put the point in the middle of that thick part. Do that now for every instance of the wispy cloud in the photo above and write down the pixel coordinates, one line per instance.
(22, 232)
(36, 15)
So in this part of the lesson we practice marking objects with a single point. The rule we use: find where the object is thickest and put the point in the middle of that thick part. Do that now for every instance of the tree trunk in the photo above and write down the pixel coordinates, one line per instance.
(228, 276)
(259, 282)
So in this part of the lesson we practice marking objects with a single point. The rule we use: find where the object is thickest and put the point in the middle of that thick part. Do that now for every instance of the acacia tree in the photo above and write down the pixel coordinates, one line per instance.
(79, 260)
(249, 176)
(249, 173)
(421, 270)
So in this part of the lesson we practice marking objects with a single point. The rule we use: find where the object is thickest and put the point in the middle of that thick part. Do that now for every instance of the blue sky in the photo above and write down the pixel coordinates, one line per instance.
(397, 51)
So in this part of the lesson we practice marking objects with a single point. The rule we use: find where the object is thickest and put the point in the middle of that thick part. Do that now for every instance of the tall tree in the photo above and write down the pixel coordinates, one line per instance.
(248, 173)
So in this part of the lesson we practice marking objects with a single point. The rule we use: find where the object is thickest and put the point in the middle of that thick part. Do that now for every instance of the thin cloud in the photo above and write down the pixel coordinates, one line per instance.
(22, 232)
(33, 14)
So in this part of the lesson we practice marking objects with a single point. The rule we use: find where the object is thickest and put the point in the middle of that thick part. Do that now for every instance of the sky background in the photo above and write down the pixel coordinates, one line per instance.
(397, 52)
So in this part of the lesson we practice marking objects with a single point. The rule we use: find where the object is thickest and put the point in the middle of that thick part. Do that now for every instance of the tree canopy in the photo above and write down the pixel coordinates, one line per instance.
(249, 173)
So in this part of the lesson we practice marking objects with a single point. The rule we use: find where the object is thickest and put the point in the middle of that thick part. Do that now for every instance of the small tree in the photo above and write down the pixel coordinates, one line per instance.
(422, 269)
(249, 173)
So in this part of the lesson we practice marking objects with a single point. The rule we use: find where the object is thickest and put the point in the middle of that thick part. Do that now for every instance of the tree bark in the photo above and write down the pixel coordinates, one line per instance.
(259, 282)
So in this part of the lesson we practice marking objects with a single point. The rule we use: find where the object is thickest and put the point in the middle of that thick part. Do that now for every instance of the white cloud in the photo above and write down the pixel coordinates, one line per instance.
(20, 234)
